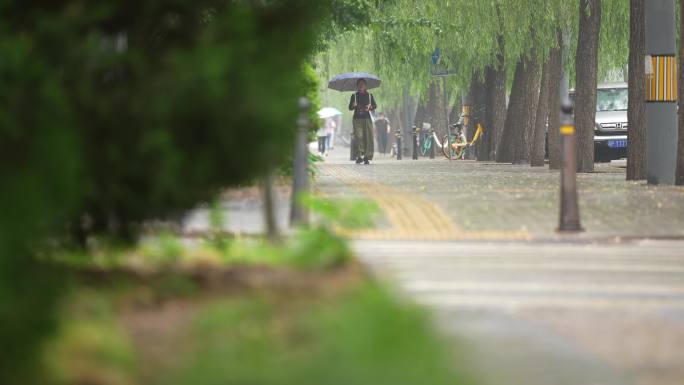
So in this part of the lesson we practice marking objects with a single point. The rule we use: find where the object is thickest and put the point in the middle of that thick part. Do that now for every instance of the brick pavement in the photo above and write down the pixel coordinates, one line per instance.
(489, 200)
(530, 307)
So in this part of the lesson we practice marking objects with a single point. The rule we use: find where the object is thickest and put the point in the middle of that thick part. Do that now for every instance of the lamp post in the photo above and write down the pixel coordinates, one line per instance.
(569, 207)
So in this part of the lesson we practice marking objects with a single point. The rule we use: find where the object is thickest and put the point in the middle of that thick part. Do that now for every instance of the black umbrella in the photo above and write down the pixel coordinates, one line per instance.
(347, 82)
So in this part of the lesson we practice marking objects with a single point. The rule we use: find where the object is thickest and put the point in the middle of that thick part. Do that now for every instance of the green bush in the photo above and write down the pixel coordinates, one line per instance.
(116, 112)
(150, 106)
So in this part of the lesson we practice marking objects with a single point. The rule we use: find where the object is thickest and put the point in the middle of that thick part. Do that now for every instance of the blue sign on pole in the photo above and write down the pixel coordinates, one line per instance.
(436, 55)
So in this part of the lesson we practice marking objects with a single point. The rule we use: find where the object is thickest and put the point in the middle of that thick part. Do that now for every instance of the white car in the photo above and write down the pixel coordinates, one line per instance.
(610, 133)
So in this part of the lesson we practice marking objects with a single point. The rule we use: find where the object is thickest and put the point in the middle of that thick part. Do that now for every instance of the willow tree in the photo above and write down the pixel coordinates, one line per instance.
(636, 149)
(517, 38)
(586, 69)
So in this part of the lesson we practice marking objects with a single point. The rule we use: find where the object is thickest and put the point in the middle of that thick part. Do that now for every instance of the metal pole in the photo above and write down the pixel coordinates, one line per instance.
(446, 112)
(434, 143)
(299, 214)
(569, 207)
(415, 143)
(398, 135)
(661, 92)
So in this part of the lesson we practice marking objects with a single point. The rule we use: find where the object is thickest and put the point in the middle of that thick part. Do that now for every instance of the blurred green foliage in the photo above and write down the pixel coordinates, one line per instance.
(116, 112)
(91, 344)
(150, 106)
(359, 334)
(362, 337)
(342, 213)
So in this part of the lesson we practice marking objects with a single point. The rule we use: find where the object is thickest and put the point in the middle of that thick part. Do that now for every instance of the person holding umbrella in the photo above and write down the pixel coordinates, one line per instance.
(362, 103)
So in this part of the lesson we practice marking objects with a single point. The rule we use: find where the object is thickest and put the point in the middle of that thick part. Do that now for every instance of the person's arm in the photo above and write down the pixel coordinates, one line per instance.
(373, 105)
(389, 128)
(352, 102)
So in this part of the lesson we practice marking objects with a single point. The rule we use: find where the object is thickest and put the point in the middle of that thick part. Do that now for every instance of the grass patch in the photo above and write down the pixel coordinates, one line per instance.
(363, 336)
(356, 334)
(242, 312)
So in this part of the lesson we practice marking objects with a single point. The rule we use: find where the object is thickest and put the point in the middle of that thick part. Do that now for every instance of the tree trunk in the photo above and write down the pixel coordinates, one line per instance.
(530, 98)
(636, 147)
(537, 145)
(556, 59)
(420, 113)
(495, 83)
(456, 109)
(679, 178)
(436, 108)
(586, 68)
(504, 149)
(477, 115)
(269, 207)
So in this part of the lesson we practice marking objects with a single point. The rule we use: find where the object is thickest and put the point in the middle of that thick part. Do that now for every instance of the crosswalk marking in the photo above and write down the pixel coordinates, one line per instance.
(429, 286)
(635, 276)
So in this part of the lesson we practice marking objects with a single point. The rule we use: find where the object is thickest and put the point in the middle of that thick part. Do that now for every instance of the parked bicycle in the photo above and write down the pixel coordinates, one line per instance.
(430, 139)
(458, 141)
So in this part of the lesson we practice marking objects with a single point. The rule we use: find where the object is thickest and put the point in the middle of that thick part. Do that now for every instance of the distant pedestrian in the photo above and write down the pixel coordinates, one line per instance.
(382, 130)
(362, 103)
(321, 134)
(330, 127)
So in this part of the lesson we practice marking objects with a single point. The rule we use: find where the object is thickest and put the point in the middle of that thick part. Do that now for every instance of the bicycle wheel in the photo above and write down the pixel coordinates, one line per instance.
(449, 152)
(457, 152)
(427, 144)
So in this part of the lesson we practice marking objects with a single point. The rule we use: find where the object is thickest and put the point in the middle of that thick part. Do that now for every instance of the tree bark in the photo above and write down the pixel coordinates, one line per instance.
(679, 177)
(586, 68)
(269, 207)
(530, 98)
(495, 83)
(636, 147)
(439, 113)
(477, 113)
(537, 145)
(456, 110)
(420, 113)
(556, 60)
(504, 149)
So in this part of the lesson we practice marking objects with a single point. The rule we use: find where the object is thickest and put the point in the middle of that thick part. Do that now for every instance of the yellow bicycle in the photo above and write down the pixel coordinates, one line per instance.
(458, 141)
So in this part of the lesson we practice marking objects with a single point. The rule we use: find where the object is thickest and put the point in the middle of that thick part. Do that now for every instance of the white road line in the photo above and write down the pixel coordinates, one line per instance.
(540, 266)
(425, 286)
(513, 303)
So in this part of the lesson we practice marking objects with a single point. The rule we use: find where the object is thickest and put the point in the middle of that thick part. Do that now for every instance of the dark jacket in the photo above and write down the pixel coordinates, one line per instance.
(363, 99)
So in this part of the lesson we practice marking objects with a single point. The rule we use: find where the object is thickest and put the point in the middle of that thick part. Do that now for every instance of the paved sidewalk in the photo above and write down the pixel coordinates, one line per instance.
(549, 313)
(475, 242)
(501, 201)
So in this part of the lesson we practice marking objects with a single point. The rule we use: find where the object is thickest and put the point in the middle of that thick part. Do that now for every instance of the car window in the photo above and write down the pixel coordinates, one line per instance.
(612, 99)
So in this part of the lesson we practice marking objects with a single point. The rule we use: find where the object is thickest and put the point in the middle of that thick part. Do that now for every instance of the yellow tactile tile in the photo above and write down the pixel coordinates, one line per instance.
(411, 216)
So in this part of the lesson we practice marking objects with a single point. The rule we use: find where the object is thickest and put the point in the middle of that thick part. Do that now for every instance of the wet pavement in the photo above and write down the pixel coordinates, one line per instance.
(488, 197)
(476, 243)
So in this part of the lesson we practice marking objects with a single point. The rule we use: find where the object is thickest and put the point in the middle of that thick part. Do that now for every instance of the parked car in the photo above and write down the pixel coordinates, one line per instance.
(610, 131)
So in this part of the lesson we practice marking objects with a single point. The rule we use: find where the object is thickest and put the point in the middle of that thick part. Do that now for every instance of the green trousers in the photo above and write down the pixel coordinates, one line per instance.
(363, 138)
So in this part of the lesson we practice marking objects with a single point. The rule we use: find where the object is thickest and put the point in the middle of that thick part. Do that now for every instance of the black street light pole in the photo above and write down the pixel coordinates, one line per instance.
(569, 207)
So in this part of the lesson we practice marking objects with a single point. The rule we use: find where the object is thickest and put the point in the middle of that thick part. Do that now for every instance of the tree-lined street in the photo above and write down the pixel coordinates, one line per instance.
(342, 192)
(482, 197)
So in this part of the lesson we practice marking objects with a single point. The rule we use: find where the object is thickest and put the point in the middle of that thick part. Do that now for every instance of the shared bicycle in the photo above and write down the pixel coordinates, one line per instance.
(456, 143)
